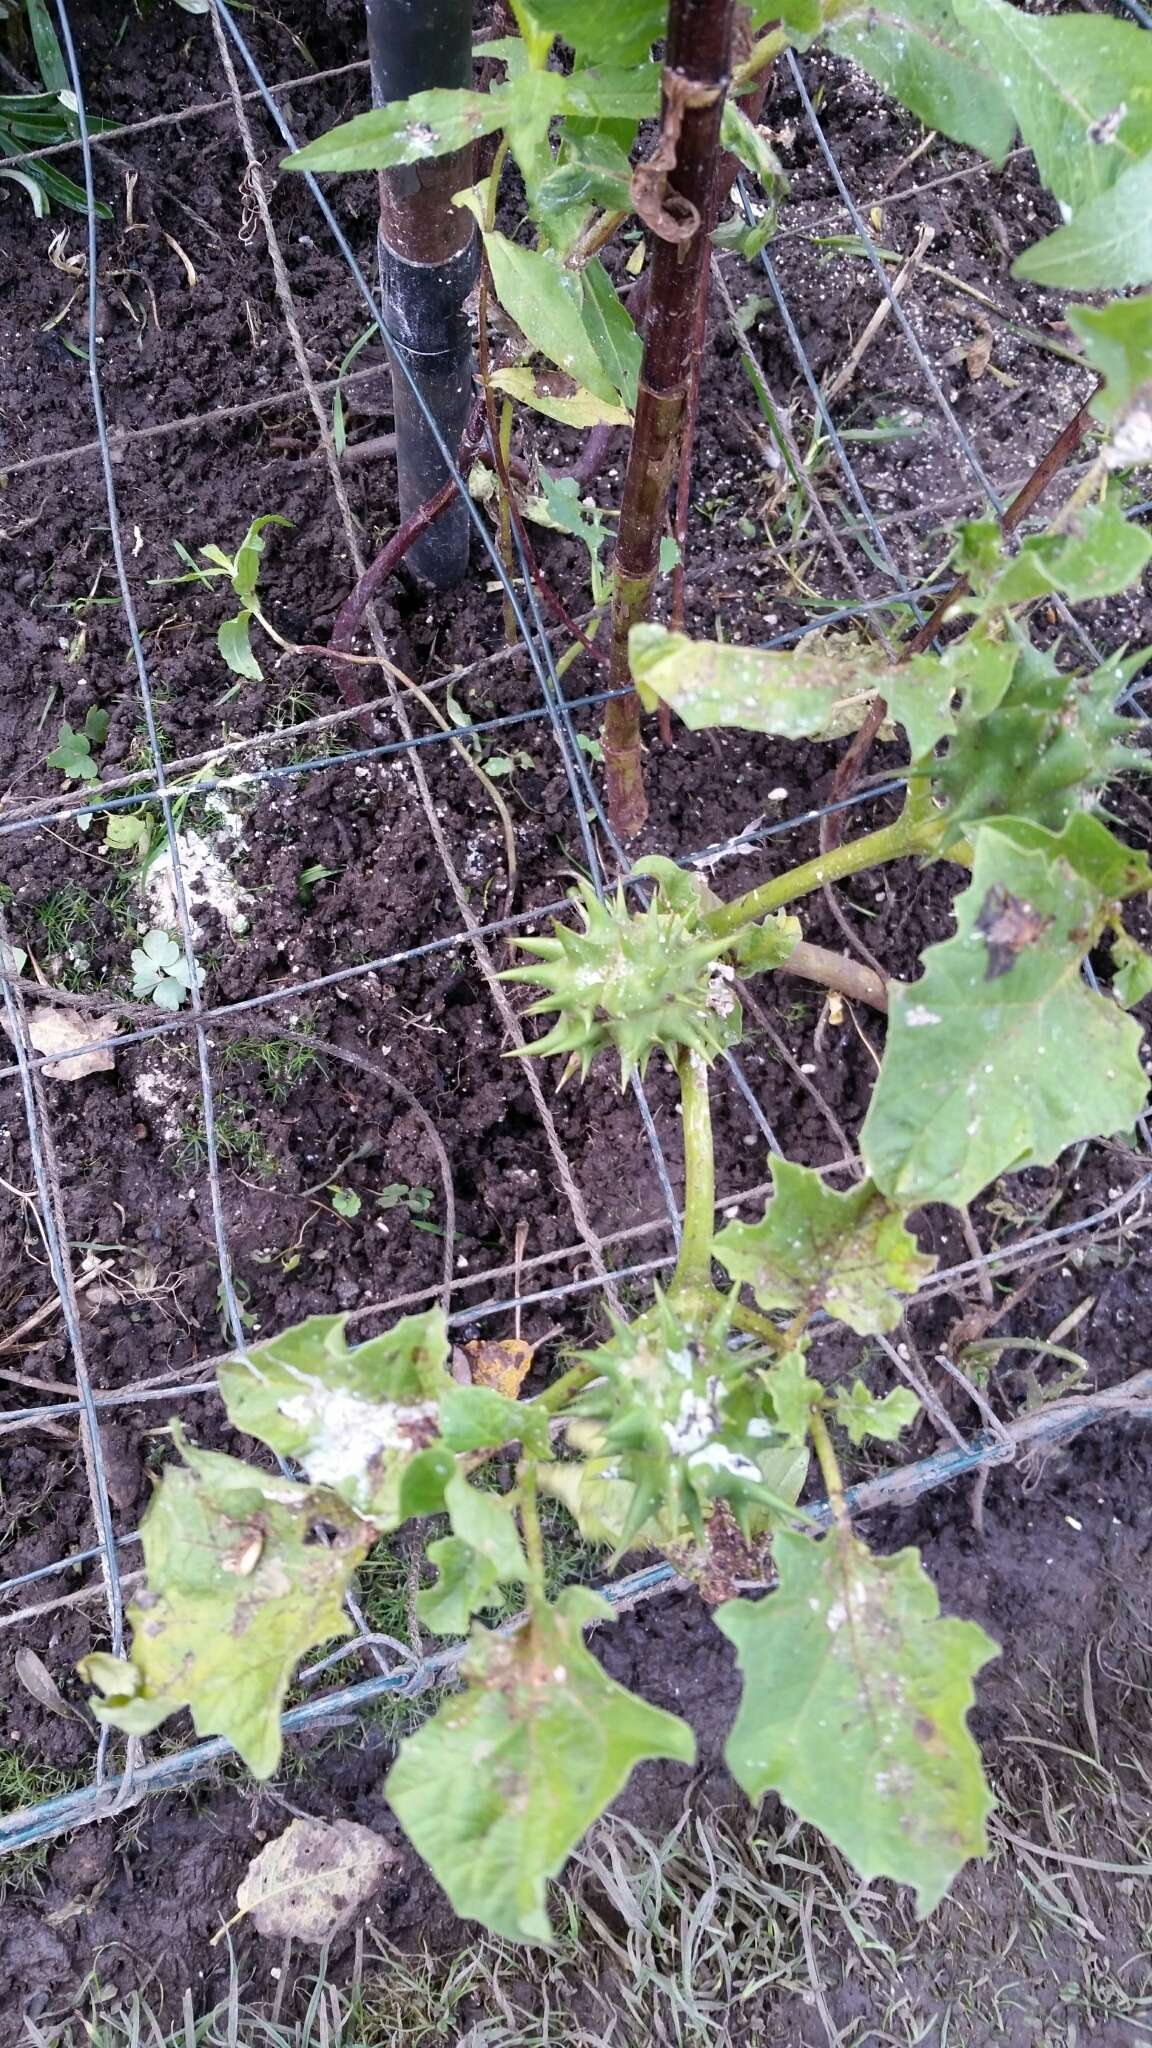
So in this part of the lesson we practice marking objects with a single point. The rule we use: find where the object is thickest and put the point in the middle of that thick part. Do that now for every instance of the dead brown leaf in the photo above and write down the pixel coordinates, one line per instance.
(66, 1033)
(311, 1882)
(503, 1364)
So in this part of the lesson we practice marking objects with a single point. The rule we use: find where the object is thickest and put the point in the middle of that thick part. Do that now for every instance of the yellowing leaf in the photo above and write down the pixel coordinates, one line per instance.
(558, 398)
(814, 1248)
(356, 1417)
(310, 1883)
(239, 1586)
(808, 692)
(502, 1363)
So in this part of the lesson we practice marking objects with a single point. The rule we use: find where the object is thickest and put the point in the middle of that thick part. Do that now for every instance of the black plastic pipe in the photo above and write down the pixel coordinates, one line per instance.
(429, 262)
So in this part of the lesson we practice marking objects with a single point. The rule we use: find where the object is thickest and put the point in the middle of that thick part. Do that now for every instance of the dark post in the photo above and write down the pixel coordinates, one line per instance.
(429, 261)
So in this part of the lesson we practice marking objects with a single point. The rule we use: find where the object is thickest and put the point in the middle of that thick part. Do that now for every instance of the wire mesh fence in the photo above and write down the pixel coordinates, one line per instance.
(860, 548)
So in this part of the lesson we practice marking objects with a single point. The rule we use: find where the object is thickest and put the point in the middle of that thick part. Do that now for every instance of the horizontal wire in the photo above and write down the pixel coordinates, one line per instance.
(1007, 1258)
(181, 114)
(81, 805)
(123, 438)
(220, 1012)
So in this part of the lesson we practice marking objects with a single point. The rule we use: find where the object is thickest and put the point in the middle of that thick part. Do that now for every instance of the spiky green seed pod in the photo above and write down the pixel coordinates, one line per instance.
(634, 981)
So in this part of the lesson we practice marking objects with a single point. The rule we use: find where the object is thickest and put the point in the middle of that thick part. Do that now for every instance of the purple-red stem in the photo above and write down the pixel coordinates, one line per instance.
(696, 68)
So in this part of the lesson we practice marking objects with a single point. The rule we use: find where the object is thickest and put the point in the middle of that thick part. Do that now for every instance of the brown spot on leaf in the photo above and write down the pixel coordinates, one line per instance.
(1009, 926)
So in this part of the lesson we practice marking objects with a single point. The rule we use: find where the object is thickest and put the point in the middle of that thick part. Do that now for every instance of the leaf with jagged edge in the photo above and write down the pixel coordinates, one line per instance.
(1000, 1056)
(814, 1248)
(917, 51)
(808, 692)
(1100, 555)
(353, 1417)
(933, 693)
(466, 1584)
(497, 1789)
(794, 1393)
(1107, 246)
(1052, 741)
(854, 1709)
(238, 1588)
(1117, 342)
(1131, 971)
(862, 1413)
(482, 1553)
(1079, 85)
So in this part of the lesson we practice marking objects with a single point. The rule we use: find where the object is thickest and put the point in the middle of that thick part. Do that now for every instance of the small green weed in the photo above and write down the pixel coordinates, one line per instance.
(280, 1064)
(237, 1143)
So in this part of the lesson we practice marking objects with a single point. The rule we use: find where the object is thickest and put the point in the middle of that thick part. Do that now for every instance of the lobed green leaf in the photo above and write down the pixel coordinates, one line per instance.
(814, 1248)
(854, 1709)
(498, 1788)
(1001, 1055)
(239, 1587)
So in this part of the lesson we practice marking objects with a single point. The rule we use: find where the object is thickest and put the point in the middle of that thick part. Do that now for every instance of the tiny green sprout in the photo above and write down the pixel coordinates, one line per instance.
(345, 1201)
(72, 754)
(507, 764)
(242, 571)
(310, 878)
(632, 980)
(398, 1195)
(161, 971)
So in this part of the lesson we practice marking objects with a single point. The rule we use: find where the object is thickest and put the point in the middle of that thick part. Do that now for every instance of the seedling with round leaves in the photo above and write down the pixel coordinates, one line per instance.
(161, 971)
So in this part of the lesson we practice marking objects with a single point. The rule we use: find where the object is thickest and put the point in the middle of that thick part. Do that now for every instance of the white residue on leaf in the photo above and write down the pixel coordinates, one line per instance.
(916, 1014)
(347, 1433)
(695, 1421)
(1131, 443)
(717, 1457)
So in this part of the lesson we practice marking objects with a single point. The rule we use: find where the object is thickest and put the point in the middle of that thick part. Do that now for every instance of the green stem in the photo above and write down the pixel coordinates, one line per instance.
(694, 1265)
(530, 1528)
(569, 1382)
(829, 1467)
(758, 59)
(909, 834)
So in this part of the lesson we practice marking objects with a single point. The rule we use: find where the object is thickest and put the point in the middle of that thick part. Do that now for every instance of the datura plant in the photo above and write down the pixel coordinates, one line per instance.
(567, 100)
(709, 1427)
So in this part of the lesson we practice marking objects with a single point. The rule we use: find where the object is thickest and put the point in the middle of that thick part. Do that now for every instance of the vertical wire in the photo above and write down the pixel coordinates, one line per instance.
(212, 1164)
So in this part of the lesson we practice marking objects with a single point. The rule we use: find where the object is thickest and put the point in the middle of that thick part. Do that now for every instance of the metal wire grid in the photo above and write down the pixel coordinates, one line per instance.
(110, 1789)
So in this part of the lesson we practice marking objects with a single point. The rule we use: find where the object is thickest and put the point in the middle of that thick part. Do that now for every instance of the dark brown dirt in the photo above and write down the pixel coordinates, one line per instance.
(130, 1143)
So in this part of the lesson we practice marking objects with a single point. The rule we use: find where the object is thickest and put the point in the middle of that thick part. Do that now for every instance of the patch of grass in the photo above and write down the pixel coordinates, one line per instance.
(280, 1064)
(25, 1784)
(238, 1145)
